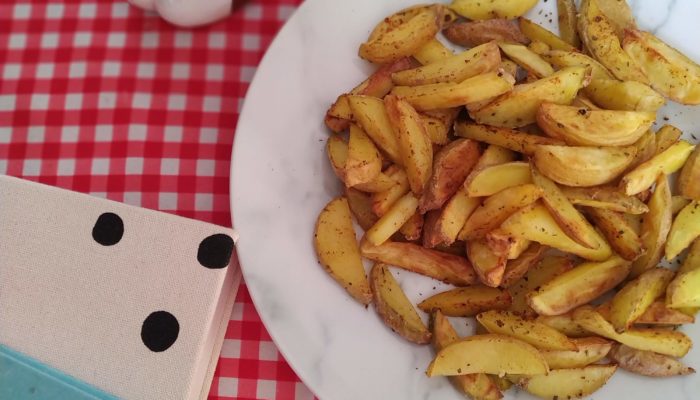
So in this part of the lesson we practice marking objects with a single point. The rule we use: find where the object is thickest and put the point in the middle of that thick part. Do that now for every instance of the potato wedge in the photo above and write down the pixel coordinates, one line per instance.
(535, 32)
(621, 236)
(636, 296)
(659, 314)
(535, 333)
(612, 94)
(492, 9)
(568, 217)
(363, 164)
(455, 69)
(619, 15)
(489, 266)
(404, 40)
(493, 155)
(689, 178)
(538, 48)
(477, 386)
(380, 183)
(505, 244)
(414, 145)
(497, 209)
(446, 95)
(370, 113)
(646, 149)
(394, 20)
(535, 223)
(411, 257)
(337, 151)
(578, 126)
(450, 168)
(390, 223)
(655, 227)
(394, 307)
(672, 343)
(337, 250)
(431, 52)
(476, 33)
(517, 267)
(646, 362)
(666, 162)
(671, 73)
(568, 383)
(582, 166)
(467, 302)
(361, 208)
(684, 230)
(584, 283)
(565, 324)
(572, 58)
(566, 14)
(518, 107)
(549, 268)
(492, 179)
(588, 351)
(499, 354)
(684, 291)
(604, 197)
(506, 138)
(450, 220)
(382, 201)
(413, 228)
(527, 59)
(599, 37)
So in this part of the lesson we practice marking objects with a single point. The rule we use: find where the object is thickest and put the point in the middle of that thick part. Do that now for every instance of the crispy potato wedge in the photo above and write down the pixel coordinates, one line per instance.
(692, 259)
(604, 197)
(637, 295)
(647, 363)
(431, 52)
(684, 230)
(492, 9)
(492, 179)
(518, 107)
(405, 39)
(566, 14)
(646, 149)
(684, 290)
(567, 216)
(585, 282)
(450, 168)
(477, 386)
(619, 15)
(497, 209)
(414, 144)
(612, 94)
(502, 243)
(337, 250)
(671, 73)
(390, 223)
(413, 228)
(527, 59)
(450, 220)
(394, 20)
(370, 113)
(689, 178)
(659, 314)
(666, 162)
(412, 257)
(549, 268)
(535, 32)
(621, 236)
(380, 183)
(382, 201)
(454, 69)
(394, 307)
(572, 58)
(495, 155)
(588, 351)
(535, 223)
(507, 138)
(467, 301)
(446, 95)
(517, 267)
(568, 383)
(337, 151)
(438, 124)
(475, 33)
(361, 208)
(578, 126)
(499, 354)
(664, 341)
(535, 333)
(582, 166)
(363, 163)
(599, 37)
(565, 324)
(655, 227)
(488, 265)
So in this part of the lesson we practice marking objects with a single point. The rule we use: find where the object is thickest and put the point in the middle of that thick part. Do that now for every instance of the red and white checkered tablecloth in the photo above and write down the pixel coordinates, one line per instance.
(99, 97)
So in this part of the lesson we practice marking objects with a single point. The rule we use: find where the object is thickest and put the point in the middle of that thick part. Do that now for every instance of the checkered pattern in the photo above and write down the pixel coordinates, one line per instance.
(103, 98)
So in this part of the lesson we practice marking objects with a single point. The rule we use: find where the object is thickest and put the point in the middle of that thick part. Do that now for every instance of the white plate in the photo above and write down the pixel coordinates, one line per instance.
(281, 179)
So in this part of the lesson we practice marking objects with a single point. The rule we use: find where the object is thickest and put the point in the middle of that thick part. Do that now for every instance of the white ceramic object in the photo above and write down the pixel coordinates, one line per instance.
(187, 13)
(281, 179)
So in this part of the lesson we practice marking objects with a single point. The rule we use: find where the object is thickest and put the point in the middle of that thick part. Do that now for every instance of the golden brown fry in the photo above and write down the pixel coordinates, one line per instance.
(399, 213)
(655, 227)
(363, 163)
(382, 201)
(659, 314)
(568, 383)
(646, 362)
(467, 302)
(588, 350)
(518, 267)
(431, 52)
(492, 9)
(527, 59)
(621, 236)
(684, 230)
(413, 228)
(535, 333)
(492, 179)
(502, 137)
(361, 208)
(636, 296)
(475, 33)
(605, 197)
(535, 32)
(488, 265)
(666, 162)
(502, 243)
(449, 221)
(538, 275)
(612, 94)
(566, 14)
(370, 113)
(565, 324)
(667, 136)
(582, 166)
(571, 58)
(689, 178)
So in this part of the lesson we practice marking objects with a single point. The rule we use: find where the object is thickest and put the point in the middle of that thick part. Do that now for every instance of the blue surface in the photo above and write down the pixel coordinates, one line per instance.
(22, 377)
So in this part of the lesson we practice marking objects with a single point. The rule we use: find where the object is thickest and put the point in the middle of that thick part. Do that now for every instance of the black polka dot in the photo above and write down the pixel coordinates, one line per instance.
(108, 229)
(215, 251)
(159, 331)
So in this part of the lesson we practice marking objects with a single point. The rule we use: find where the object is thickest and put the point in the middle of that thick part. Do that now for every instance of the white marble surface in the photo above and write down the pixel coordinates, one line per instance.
(281, 179)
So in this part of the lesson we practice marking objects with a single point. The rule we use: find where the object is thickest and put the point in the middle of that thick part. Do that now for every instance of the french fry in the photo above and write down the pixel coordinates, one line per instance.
(666, 137)
(492, 179)
(619, 15)
(503, 137)
(392, 220)
(568, 383)
(683, 290)
(666, 162)
(363, 163)
(635, 297)
(382, 201)
(646, 149)
(488, 265)
(659, 314)
(411, 257)
(466, 302)
(413, 228)
(583, 166)
(539, 48)
(492, 9)
(566, 14)
(604, 197)
(527, 59)
(438, 124)
(450, 220)
(518, 107)
(537, 33)
(612, 94)
(516, 268)
(371, 115)
(689, 178)
(576, 287)
(495, 155)
(646, 362)
(337, 151)
(549, 268)
(504, 244)
(655, 227)
(684, 230)
(588, 351)
(361, 208)
(532, 332)
(475, 33)
(621, 236)
(572, 58)
(431, 52)
(565, 324)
